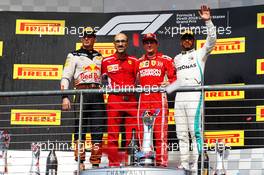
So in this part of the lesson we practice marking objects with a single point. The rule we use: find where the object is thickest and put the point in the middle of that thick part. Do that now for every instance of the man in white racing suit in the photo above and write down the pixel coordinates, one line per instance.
(190, 68)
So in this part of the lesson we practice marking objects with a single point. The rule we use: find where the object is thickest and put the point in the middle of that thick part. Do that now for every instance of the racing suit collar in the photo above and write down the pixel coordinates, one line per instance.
(185, 52)
(158, 54)
(87, 51)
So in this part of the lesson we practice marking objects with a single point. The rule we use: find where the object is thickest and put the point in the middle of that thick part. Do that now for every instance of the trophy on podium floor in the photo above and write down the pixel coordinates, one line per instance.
(220, 154)
(4, 144)
(34, 169)
(146, 156)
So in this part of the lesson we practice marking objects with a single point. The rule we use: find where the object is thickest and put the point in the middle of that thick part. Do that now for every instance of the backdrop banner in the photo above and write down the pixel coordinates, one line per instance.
(34, 46)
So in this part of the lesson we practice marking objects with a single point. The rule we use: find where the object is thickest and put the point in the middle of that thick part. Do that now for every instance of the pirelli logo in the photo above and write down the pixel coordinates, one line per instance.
(260, 66)
(40, 27)
(231, 138)
(35, 117)
(1, 48)
(106, 49)
(171, 120)
(224, 95)
(37, 72)
(260, 113)
(260, 20)
(226, 46)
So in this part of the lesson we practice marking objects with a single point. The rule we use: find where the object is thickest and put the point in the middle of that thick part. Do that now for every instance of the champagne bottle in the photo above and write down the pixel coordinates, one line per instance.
(52, 163)
(206, 164)
(132, 149)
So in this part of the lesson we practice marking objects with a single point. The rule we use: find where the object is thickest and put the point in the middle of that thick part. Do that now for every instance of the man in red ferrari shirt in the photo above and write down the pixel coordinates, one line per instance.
(155, 69)
(120, 70)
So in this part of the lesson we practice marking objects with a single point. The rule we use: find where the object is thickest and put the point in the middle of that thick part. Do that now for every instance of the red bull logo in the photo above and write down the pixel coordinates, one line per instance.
(91, 71)
(91, 68)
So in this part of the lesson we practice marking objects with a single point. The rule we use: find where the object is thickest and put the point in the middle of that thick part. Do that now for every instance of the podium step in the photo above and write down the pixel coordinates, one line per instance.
(135, 171)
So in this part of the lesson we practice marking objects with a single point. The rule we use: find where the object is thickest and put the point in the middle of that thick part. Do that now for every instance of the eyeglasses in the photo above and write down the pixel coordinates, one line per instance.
(120, 41)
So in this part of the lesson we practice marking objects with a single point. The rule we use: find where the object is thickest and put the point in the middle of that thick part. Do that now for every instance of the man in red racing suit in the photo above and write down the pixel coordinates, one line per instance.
(120, 70)
(154, 70)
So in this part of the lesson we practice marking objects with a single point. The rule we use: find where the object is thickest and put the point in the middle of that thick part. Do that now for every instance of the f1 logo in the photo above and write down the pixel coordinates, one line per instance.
(148, 23)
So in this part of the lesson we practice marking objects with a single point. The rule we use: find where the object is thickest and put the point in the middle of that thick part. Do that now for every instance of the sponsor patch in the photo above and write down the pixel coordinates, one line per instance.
(112, 68)
(150, 72)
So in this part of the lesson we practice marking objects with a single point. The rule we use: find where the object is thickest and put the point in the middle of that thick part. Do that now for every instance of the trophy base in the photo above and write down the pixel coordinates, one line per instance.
(219, 172)
(146, 162)
(135, 171)
(146, 158)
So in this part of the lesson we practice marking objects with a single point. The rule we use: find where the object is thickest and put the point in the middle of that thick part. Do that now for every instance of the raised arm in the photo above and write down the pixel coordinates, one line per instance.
(210, 42)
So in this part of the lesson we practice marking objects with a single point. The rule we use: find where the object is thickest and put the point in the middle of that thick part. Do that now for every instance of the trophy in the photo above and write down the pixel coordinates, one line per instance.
(219, 166)
(146, 156)
(34, 169)
(52, 163)
(4, 144)
(132, 149)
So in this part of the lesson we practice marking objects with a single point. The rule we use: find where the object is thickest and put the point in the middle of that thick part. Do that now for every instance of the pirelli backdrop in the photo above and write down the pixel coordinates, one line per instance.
(34, 46)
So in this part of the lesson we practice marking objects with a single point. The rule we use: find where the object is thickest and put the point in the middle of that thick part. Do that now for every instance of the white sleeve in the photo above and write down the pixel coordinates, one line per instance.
(68, 71)
(210, 41)
(173, 86)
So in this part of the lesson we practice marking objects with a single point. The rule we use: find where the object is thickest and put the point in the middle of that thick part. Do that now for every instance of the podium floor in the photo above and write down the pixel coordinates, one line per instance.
(135, 171)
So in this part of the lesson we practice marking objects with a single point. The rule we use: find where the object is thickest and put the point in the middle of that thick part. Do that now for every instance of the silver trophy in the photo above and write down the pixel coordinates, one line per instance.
(4, 144)
(220, 155)
(146, 156)
(34, 169)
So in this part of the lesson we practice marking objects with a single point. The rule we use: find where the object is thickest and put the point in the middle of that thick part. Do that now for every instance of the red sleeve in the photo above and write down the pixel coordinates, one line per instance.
(103, 68)
(171, 70)
(136, 67)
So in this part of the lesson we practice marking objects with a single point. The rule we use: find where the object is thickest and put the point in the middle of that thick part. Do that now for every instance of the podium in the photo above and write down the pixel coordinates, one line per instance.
(135, 171)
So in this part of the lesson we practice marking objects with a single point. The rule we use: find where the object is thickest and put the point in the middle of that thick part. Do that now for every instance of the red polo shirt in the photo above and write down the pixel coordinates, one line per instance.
(121, 73)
